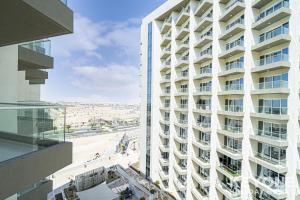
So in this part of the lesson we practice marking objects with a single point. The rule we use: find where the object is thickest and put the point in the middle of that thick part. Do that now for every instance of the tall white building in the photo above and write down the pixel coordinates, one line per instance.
(220, 98)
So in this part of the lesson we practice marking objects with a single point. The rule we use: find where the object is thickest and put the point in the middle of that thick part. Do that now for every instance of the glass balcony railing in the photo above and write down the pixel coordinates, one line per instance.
(183, 121)
(272, 110)
(41, 46)
(238, 21)
(183, 106)
(206, 71)
(232, 149)
(272, 85)
(272, 34)
(204, 124)
(234, 65)
(204, 89)
(233, 191)
(231, 87)
(29, 126)
(232, 4)
(273, 183)
(183, 90)
(231, 169)
(270, 159)
(272, 59)
(234, 129)
(233, 108)
(272, 135)
(203, 106)
(274, 8)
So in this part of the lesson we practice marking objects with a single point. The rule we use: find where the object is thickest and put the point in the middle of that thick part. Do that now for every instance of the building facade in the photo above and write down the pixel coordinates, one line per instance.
(31, 147)
(220, 98)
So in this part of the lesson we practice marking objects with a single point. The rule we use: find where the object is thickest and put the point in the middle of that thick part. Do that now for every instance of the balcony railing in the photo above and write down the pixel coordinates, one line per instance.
(234, 192)
(234, 44)
(232, 170)
(234, 65)
(205, 52)
(272, 135)
(272, 59)
(41, 46)
(168, 62)
(272, 110)
(183, 121)
(183, 90)
(29, 126)
(231, 149)
(183, 106)
(273, 33)
(204, 124)
(234, 129)
(232, 4)
(233, 87)
(270, 159)
(203, 106)
(273, 183)
(274, 8)
(205, 71)
(233, 108)
(238, 21)
(272, 85)
(204, 89)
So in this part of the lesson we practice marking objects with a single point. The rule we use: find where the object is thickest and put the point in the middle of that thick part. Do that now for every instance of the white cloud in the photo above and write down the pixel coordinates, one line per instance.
(91, 76)
(90, 36)
(117, 83)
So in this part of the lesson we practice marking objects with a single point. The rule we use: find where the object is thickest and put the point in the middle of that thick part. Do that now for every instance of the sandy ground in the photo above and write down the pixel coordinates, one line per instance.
(85, 148)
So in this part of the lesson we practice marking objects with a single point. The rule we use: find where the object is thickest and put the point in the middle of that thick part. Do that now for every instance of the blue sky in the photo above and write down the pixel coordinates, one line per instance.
(100, 61)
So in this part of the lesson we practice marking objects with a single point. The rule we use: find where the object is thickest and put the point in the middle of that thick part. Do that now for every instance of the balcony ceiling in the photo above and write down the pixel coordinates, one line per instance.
(28, 20)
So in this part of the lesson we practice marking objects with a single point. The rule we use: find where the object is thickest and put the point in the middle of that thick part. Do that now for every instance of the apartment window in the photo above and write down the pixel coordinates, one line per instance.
(183, 133)
(207, 51)
(272, 179)
(204, 137)
(237, 84)
(167, 89)
(183, 103)
(166, 129)
(204, 155)
(184, 88)
(233, 144)
(272, 154)
(238, 42)
(165, 155)
(205, 87)
(235, 64)
(203, 172)
(204, 121)
(234, 105)
(231, 186)
(183, 148)
(233, 125)
(284, 29)
(234, 166)
(273, 8)
(273, 57)
(183, 118)
(240, 20)
(273, 130)
(183, 163)
(277, 81)
(185, 73)
(167, 116)
(260, 194)
(273, 106)
(206, 69)
(167, 103)
(204, 104)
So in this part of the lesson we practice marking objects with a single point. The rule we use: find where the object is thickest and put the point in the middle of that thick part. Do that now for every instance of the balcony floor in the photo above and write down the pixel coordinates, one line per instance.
(10, 149)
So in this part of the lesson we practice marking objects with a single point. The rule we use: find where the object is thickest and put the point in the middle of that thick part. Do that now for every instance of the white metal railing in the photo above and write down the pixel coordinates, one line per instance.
(272, 110)
(272, 85)
(274, 8)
